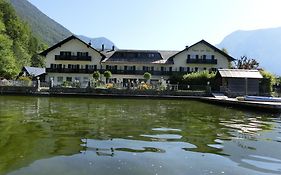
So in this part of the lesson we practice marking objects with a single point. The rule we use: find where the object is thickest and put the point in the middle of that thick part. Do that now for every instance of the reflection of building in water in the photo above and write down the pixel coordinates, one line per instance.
(251, 147)
(40, 128)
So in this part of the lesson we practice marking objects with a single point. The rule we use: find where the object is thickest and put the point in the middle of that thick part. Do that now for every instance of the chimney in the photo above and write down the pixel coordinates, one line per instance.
(186, 47)
(90, 43)
(102, 47)
(113, 48)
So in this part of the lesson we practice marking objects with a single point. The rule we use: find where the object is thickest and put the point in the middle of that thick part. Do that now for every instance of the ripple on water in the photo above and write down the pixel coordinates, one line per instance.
(265, 163)
(166, 129)
(163, 136)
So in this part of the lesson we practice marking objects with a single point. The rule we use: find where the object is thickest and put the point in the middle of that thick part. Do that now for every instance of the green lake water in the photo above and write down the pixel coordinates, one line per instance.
(81, 136)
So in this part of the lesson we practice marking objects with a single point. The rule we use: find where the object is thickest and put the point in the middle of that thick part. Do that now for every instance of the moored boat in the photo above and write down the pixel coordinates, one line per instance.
(261, 98)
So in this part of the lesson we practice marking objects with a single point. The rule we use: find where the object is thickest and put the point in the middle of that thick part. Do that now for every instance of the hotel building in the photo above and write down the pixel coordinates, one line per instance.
(75, 60)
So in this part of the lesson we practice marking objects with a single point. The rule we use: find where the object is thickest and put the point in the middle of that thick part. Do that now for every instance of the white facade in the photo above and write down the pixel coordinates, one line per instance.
(75, 46)
(75, 60)
(199, 50)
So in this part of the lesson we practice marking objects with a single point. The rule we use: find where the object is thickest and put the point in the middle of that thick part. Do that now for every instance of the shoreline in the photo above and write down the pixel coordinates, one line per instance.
(269, 107)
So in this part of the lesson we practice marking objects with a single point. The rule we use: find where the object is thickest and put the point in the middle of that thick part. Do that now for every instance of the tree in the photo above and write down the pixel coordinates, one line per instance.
(267, 82)
(96, 75)
(245, 63)
(18, 46)
(107, 74)
(147, 76)
(8, 66)
(37, 61)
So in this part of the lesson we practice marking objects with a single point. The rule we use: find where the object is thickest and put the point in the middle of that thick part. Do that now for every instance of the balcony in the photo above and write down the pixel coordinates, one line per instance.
(123, 72)
(73, 58)
(67, 70)
(201, 61)
(139, 72)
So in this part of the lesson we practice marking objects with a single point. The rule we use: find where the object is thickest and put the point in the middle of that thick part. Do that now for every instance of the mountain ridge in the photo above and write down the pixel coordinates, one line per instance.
(42, 26)
(98, 42)
(47, 29)
(264, 45)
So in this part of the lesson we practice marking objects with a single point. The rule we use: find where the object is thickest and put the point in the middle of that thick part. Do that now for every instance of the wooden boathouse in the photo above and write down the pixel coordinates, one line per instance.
(237, 82)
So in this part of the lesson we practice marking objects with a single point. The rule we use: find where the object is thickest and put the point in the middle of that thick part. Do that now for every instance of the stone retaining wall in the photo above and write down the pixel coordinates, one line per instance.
(128, 92)
(92, 91)
(17, 90)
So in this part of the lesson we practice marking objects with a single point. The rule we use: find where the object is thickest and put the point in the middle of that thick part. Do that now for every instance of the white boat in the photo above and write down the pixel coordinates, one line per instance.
(264, 99)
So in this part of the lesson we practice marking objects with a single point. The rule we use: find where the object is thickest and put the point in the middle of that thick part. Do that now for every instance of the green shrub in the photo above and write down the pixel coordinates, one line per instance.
(66, 84)
(96, 75)
(266, 84)
(26, 81)
(107, 74)
(147, 76)
(199, 78)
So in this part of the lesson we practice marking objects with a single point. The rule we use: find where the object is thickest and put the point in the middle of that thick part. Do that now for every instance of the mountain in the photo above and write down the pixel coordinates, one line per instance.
(264, 45)
(98, 42)
(49, 30)
(18, 45)
(42, 26)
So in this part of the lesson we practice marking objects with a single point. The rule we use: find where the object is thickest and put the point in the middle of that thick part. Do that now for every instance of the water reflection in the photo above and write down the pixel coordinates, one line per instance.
(35, 130)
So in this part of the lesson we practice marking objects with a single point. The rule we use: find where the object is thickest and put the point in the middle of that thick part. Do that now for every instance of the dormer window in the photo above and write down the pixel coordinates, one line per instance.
(151, 55)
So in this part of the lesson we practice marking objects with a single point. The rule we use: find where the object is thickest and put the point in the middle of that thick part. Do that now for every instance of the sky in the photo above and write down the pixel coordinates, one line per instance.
(161, 24)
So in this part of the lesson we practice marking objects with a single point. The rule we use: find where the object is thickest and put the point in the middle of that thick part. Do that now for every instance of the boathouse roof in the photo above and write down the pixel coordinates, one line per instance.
(239, 73)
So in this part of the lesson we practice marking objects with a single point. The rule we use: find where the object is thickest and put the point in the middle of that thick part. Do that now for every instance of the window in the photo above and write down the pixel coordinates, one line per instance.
(151, 55)
(85, 79)
(209, 57)
(196, 69)
(214, 69)
(144, 68)
(91, 67)
(82, 53)
(192, 56)
(77, 79)
(181, 69)
(63, 53)
(69, 79)
(188, 69)
(60, 79)
(170, 69)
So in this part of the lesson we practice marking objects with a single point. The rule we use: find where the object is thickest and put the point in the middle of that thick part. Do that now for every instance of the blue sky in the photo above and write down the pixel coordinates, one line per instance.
(161, 24)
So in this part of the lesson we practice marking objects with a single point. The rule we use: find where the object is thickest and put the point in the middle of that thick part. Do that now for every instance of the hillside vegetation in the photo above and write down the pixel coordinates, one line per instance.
(41, 25)
(18, 46)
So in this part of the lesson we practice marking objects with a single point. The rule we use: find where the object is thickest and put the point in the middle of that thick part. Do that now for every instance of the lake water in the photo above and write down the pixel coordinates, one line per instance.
(81, 136)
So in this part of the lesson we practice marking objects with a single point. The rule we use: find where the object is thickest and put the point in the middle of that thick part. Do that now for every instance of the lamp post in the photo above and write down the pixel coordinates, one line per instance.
(208, 87)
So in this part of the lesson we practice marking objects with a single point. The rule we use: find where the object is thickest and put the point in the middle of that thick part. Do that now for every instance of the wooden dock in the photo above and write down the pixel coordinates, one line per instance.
(259, 105)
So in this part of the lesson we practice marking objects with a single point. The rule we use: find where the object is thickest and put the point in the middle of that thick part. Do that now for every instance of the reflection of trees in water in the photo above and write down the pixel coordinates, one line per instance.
(39, 128)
